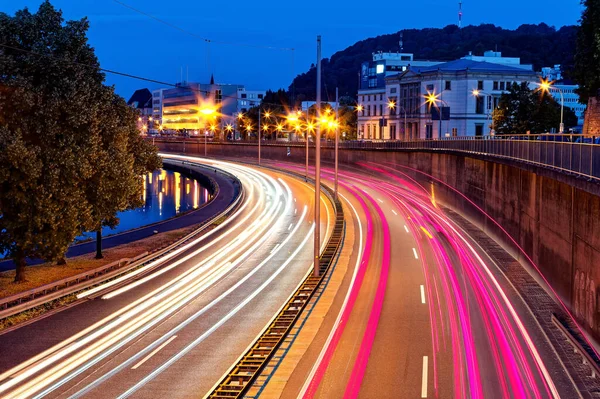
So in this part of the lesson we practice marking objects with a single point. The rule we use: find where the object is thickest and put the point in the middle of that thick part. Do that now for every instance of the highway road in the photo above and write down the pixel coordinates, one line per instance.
(174, 330)
(426, 313)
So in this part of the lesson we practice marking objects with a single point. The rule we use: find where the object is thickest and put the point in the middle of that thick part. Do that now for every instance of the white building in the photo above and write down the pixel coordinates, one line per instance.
(465, 91)
(571, 98)
(495, 57)
(372, 89)
(248, 99)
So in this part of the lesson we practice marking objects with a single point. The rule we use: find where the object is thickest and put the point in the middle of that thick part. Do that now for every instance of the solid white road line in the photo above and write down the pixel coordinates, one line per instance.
(394, 212)
(290, 226)
(406, 228)
(422, 293)
(424, 383)
(415, 253)
(154, 352)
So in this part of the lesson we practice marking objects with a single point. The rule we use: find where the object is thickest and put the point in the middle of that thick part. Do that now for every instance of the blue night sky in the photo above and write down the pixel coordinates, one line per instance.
(133, 43)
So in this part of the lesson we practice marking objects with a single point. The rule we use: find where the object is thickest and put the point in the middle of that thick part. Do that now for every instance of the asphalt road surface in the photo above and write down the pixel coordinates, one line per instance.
(426, 314)
(173, 331)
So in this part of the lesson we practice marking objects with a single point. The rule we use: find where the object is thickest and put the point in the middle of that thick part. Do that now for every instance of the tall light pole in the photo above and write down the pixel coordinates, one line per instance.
(259, 134)
(476, 93)
(547, 86)
(337, 139)
(317, 245)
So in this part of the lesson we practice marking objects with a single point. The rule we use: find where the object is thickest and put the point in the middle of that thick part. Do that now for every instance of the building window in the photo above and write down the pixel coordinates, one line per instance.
(243, 95)
(368, 110)
(381, 109)
(448, 85)
(430, 88)
(480, 85)
(429, 131)
(501, 85)
(478, 129)
(374, 110)
(260, 96)
(393, 90)
(369, 98)
(369, 131)
(495, 85)
(454, 132)
(393, 132)
(381, 97)
(508, 85)
(479, 105)
(218, 96)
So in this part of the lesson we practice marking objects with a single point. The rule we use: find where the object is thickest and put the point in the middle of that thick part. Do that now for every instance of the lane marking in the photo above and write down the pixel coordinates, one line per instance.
(290, 226)
(422, 293)
(406, 228)
(154, 352)
(294, 199)
(394, 212)
(295, 211)
(415, 252)
(275, 248)
(424, 383)
(379, 200)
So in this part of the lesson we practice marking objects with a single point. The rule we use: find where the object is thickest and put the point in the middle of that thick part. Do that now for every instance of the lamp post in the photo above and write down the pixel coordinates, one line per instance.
(317, 243)
(432, 100)
(476, 93)
(205, 142)
(337, 139)
(546, 86)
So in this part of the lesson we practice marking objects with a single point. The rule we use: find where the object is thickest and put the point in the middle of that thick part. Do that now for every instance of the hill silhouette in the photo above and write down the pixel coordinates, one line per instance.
(540, 45)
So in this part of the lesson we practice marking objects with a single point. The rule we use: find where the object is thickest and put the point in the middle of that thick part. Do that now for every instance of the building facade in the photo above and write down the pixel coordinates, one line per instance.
(372, 90)
(462, 96)
(248, 99)
(141, 100)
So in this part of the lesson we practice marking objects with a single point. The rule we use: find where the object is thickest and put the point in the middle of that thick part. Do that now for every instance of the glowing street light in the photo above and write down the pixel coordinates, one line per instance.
(359, 108)
(391, 104)
(546, 86)
(265, 128)
(240, 115)
(207, 111)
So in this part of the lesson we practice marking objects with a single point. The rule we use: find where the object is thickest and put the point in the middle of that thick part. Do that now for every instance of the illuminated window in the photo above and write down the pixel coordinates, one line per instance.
(380, 68)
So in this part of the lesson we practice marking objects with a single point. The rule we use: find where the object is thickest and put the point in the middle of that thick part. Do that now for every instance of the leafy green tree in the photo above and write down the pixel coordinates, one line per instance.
(587, 56)
(56, 117)
(522, 110)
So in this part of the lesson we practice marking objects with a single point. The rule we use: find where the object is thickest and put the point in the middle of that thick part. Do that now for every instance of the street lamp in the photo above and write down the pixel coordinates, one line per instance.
(229, 128)
(432, 99)
(476, 93)
(546, 86)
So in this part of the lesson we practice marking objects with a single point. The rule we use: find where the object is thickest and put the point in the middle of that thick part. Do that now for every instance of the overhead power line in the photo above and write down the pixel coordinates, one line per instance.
(126, 75)
(207, 40)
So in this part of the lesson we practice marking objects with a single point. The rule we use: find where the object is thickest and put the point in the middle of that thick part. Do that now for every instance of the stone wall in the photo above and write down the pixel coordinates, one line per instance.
(553, 217)
(591, 124)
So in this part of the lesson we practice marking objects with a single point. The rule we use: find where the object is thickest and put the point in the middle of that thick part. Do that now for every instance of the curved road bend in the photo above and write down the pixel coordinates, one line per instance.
(428, 314)
(174, 331)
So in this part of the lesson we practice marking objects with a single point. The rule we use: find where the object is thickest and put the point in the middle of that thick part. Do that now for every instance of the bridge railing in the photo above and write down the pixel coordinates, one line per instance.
(570, 153)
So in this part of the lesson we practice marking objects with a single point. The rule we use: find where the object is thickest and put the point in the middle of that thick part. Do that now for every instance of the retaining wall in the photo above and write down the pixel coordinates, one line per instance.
(554, 217)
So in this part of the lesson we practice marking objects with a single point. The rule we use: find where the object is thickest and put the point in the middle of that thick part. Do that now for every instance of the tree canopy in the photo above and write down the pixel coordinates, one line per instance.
(587, 56)
(522, 110)
(70, 155)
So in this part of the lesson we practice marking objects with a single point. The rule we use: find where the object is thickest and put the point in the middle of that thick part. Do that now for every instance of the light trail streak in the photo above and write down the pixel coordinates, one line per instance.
(155, 315)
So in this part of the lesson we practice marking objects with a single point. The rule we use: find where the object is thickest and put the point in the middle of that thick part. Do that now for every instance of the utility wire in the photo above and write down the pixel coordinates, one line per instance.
(127, 75)
(201, 37)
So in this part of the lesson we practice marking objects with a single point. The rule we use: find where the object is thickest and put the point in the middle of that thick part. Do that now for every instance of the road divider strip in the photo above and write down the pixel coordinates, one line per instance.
(241, 376)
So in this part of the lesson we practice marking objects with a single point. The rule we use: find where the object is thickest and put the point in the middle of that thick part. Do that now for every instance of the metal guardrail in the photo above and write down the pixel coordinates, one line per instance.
(27, 300)
(568, 153)
(579, 346)
(244, 372)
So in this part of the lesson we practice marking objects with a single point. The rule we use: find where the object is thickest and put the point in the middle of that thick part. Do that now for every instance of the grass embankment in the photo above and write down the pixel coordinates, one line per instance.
(48, 272)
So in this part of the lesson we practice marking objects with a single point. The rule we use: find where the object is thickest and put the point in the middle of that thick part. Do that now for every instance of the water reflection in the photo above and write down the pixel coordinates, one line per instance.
(165, 194)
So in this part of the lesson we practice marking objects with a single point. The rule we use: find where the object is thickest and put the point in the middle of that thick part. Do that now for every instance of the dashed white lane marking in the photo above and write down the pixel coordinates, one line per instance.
(424, 383)
(275, 247)
(154, 352)
(406, 228)
(290, 226)
(394, 212)
(415, 253)
(422, 293)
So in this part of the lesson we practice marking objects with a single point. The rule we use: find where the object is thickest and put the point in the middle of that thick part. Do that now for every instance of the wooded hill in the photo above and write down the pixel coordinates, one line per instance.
(540, 45)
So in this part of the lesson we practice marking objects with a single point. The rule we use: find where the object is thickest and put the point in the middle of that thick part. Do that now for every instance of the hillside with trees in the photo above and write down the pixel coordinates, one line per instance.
(540, 45)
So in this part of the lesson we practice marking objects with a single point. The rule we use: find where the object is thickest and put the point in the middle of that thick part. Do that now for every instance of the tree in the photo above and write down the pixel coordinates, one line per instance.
(587, 56)
(522, 110)
(53, 120)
